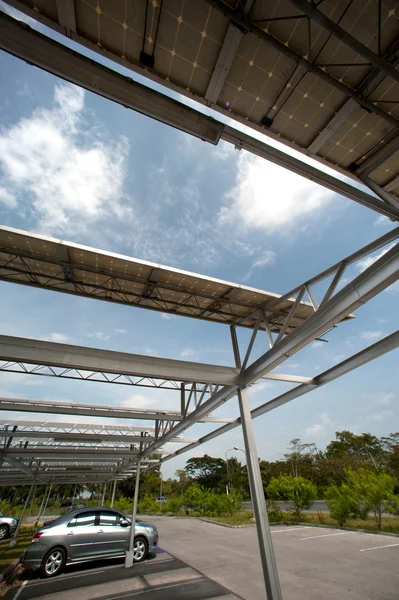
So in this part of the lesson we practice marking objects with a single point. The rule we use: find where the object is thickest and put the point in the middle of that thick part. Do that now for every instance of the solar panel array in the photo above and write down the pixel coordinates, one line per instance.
(289, 76)
(65, 267)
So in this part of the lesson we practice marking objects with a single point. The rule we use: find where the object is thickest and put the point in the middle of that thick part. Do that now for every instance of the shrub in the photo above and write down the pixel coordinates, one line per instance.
(342, 503)
(374, 491)
(298, 491)
(123, 504)
(274, 511)
(174, 505)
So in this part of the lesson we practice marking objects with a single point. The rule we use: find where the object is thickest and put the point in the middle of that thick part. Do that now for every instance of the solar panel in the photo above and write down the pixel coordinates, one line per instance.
(268, 66)
(61, 266)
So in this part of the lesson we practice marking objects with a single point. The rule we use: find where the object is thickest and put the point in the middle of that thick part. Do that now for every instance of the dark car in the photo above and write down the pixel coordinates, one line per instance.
(87, 534)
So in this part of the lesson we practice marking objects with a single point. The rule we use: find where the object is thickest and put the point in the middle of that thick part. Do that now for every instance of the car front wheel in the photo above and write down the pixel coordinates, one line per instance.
(54, 562)
(140, 549)
(3, 532)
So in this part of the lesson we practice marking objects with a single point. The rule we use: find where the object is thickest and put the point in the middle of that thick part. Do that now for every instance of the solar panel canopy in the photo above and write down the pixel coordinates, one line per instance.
(270, 67)
(57, 265)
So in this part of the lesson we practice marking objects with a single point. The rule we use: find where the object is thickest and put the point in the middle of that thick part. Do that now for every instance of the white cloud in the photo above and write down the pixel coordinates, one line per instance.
(61, 338)
(267, 258)
(167, 316)
(269, 197)
(381, 416)
(7, 198)
(187, 352)
(54, 173)
(98, 335)
(317, 344)
(366, 262)
(384, 399)
(382, 220)
(320, 429)
(371, 335)
(137, 401)
(121, 331)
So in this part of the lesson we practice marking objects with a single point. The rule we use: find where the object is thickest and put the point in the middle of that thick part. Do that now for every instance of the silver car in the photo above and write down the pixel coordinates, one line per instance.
(7, 526)
(86, 534)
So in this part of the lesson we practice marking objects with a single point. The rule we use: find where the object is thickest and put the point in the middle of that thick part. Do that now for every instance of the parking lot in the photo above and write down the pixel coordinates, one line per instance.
(203, 560)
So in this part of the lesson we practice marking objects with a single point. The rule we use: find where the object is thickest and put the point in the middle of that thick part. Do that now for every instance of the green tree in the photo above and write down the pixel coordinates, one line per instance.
(209, 472)
(298, 454)
(342, 502)
(373, 490)
(298, 491)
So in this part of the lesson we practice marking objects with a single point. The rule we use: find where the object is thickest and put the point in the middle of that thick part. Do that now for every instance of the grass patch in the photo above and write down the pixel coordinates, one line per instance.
(243, 517)
(389, 524)
(7, 554)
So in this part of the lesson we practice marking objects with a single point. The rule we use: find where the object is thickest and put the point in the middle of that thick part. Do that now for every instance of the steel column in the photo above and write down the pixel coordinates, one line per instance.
(27, 501)
(103, 496)
(267, 556)
(48, 498)
(129, 554)
(41, 507)
(113, 494)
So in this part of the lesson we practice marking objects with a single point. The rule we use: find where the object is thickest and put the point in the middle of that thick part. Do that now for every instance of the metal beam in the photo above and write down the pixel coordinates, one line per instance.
(389, 343)
(376, 159)
(299, 60)
(68, 356)
(66, 15)
(380, 275)
(383, 194)
(29, 45)
(37, 49)
(95, 410)
(311, 11)
(369, 84)
(268, 559)
(226, 57)
(243, 141)
(11, 460)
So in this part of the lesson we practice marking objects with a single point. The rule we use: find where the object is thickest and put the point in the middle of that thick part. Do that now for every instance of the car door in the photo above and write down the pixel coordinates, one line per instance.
(113, 538)
(82, 536)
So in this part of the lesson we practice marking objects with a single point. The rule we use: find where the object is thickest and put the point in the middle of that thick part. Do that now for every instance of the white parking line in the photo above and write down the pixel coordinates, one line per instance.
(20, 589)
(314, 537)
(289, 529)
(379, 547)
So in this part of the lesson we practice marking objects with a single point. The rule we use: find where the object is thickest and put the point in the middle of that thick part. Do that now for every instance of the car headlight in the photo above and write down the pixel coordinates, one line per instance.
(14, 521)
(150, 529)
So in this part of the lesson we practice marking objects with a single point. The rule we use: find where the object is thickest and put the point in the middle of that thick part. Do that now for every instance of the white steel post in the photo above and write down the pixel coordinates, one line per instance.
(103, 496)
(74, 494)
(28, 497)
(268, 559)
(41, 508)
(113, 494)
(47, 499)
(129, 554)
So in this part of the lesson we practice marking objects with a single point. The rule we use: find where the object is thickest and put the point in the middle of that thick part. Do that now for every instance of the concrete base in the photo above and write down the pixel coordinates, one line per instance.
(129, 559)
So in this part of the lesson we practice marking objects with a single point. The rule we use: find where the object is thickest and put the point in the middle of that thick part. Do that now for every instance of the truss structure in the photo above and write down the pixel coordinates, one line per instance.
(342, 114)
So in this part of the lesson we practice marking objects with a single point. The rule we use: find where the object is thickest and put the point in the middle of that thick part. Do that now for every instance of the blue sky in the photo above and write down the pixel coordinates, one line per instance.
(81, 168)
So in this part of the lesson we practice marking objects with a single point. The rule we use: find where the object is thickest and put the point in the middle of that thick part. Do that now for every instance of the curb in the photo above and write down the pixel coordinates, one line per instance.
(291, 524)
(8, 574)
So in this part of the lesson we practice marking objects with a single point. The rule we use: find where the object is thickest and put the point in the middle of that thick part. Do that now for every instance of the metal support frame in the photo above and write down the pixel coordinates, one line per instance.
(321, 19)
(226, 57)
(103, 494)
(37, 49)
(267, 556)
(113, 493)
(27, 501)
(41, 507)
(130, 553)
(47, 499)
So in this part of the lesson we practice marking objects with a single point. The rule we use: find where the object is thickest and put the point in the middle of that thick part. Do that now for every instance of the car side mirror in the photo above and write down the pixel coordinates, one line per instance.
(124, 523)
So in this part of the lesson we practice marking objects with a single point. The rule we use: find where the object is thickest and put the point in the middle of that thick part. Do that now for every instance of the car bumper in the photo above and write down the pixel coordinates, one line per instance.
(32, 558)
(152, 541)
